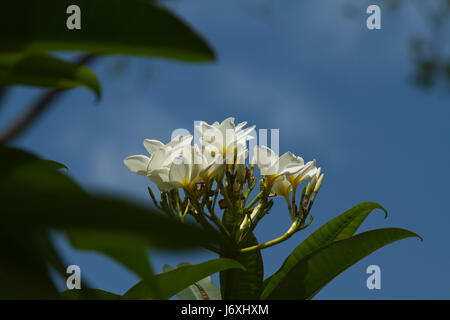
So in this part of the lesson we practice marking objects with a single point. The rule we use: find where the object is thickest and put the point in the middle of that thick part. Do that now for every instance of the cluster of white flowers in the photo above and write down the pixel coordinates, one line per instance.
(179, 164)
(284, 173)
(217, 172)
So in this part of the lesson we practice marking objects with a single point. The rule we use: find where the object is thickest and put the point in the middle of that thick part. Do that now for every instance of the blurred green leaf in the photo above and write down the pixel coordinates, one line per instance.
(173, 281)
(37, 196)
(128, 250)
(69, 211)
(132, 27)
(27, 250)
(12, 158)
(341, 227)
(42, 70)
(24, 272)
(43, 240)
(53, 200)
(91, 294)
(315, 270)
(198, 290)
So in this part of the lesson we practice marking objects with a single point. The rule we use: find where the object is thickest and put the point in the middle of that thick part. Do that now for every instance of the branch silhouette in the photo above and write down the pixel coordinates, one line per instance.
(38, 107)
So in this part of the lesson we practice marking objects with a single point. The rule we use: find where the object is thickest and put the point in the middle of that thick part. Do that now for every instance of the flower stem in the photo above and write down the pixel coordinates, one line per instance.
(225, 195)
(251, 204)
(293, 229)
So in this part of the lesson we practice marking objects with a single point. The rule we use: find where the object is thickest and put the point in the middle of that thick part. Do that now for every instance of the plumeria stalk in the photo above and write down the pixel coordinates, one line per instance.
(213, 183)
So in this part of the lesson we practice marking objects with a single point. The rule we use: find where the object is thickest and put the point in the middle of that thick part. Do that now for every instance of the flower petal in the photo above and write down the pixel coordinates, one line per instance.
(266, 159)
(137, 164)
(153, 145)
(289, 160)
(282, 187)
(161, 178)
(180, 172)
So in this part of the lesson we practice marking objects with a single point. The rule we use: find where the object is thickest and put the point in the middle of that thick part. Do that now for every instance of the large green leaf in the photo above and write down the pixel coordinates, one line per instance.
(315, 270)
(90, 293)
(37, 196)
(340, 227)
(203, 289)
(26, 249)
(173, 281)
(133, 27)
(70, 211)
(189, 293)
(53, 200)
(14, 158)
(128, 250)
(38, 69)
(50, 253)
(23, 268)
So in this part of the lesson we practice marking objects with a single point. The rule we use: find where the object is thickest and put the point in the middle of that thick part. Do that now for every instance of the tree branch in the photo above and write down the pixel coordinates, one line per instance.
(38, 107)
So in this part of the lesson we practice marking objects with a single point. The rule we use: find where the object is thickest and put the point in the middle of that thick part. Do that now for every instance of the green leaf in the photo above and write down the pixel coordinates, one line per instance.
(315, 270)
(37, 69)
(129, 250)
(23, 269)
(203, 289)
(26, 249)
(112, 227)
(37, 196)
(244, 284)
(70, 211)
(21, 169)
(53, 200)
(132, 27)
(12, 158)
(189, 293)
(90, 293)
(173, 281)
(43, 241)
(341, 227)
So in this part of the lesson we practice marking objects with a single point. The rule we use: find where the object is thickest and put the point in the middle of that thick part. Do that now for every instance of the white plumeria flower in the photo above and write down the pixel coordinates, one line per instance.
(225, 138)
(285, 172)
(273, 166)
(156, 168)
(282, 187)
(308, 171)
(186, 168)
(214, 167)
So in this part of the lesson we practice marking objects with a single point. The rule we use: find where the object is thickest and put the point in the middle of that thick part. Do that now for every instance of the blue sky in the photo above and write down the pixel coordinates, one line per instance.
(339, 94)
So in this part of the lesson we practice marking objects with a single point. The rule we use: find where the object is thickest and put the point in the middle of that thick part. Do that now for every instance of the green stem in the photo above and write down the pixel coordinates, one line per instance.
(225, 195)
(251, 204)
(284, 237)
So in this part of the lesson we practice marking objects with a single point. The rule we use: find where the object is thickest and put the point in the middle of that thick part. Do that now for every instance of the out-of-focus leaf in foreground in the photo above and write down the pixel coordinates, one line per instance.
(38, 69)
(90, 293)
(37, 196)
(132, 27)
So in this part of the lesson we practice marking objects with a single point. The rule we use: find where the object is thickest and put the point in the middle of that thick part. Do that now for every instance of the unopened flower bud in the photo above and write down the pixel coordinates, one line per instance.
(319, 170)
(310, 186)
(318, 184)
